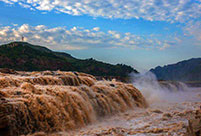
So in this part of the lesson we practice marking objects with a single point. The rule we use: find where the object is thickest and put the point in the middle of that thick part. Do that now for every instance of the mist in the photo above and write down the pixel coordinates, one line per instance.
(163, 91)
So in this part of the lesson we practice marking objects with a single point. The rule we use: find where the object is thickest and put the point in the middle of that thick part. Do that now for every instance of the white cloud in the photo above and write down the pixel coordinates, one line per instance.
(4, 31)
(96, 28)
(194, 29)
(61, 38)
(24, 5)
(161, 10)
(165, 45)
(114, 34)
(24, 28)
(7, 1)
(182, 11)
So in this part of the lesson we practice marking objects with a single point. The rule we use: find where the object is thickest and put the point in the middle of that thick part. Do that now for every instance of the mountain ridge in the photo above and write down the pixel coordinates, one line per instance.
(23, 56)
(186, 70)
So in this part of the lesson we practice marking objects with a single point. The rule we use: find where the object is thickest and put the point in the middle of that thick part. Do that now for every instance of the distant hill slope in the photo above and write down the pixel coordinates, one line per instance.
(23, 56)
(187, 70)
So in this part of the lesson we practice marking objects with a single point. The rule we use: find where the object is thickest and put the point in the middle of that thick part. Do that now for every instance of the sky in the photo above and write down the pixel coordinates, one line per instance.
(139, 33)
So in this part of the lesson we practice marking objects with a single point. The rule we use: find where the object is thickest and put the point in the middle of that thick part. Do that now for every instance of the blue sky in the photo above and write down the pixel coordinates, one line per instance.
(143, 34)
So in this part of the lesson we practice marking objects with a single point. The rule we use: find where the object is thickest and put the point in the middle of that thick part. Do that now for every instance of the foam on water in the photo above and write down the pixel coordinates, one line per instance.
(60, 101)
(163, 91)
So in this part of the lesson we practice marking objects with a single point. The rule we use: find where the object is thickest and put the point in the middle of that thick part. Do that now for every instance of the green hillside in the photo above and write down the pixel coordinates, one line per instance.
(23, 56)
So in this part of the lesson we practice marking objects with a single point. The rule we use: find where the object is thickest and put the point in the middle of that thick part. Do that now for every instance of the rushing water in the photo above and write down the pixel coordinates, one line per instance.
(66, 103)
(60, 101)
(171, 105)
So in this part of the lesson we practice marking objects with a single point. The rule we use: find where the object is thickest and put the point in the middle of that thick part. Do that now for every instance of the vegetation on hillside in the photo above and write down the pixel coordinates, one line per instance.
(23, 56)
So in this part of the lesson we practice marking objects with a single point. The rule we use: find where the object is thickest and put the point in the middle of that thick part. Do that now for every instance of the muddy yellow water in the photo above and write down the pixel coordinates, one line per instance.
(53, 102)
(159, 119)
(72, 104)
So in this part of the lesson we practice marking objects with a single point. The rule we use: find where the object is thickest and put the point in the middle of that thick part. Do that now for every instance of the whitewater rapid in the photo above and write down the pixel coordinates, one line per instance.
(60, 101)
(164, 118)
(75, 104)
(171, 106)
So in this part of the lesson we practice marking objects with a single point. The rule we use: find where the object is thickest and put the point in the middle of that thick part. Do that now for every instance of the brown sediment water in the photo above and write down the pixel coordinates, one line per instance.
(174, 110)
(60, 101)
(164, 118)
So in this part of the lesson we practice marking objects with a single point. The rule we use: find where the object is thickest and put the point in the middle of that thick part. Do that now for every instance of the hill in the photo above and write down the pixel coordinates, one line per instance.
(187, 70)
(23, 56)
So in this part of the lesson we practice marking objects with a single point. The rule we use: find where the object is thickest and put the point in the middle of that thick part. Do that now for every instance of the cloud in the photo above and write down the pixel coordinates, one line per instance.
(152, 10)
(186, 12)
(96, 28)
(194, 29)
(24, 5)
(7, 1)
(61, 38)
(165, 45)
